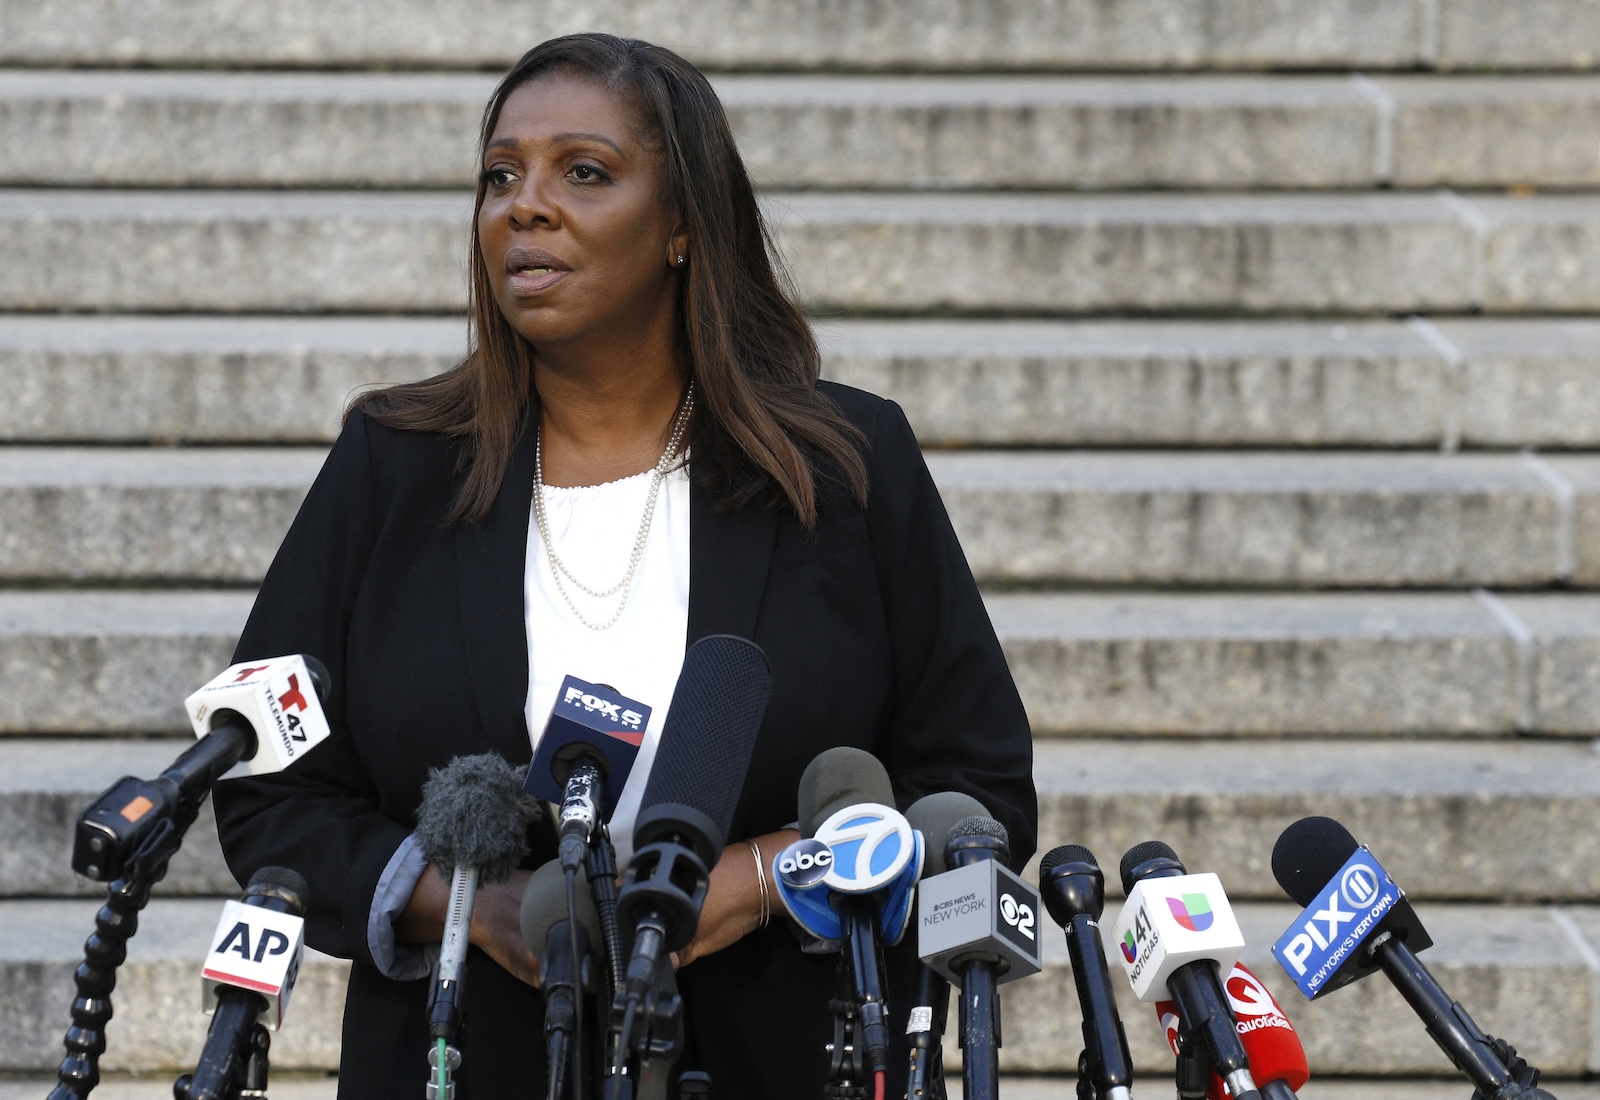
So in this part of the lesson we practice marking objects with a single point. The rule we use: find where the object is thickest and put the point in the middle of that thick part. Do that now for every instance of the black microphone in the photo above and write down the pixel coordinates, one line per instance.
(553, 938)
(1194, 984)
(706, 744)
(1074, 890)
(472, 826)
(974, 840)
(1356, 921)
(933, 816)
(252, 967)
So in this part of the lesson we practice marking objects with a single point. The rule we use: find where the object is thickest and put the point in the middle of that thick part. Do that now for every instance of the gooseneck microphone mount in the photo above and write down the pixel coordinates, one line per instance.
(127, 837)
(104, 951)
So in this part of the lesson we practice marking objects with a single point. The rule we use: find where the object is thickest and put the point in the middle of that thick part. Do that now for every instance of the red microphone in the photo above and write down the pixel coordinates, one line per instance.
(1277, 1060)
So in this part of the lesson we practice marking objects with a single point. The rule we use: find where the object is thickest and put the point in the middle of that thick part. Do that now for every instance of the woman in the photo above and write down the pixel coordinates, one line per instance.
(635, 454)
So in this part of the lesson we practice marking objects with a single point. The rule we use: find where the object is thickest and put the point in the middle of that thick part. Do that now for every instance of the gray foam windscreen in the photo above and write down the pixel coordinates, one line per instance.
(544, 905)
(934, 815)
(839, 777)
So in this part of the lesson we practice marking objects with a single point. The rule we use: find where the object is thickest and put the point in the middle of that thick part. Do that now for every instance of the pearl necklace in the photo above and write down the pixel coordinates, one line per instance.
(559, 569)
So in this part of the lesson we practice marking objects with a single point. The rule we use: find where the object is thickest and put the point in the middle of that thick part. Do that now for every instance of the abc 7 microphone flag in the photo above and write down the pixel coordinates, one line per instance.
(861, 849)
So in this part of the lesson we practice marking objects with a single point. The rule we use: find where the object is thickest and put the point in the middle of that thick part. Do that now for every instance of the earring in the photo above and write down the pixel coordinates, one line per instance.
(682, 260)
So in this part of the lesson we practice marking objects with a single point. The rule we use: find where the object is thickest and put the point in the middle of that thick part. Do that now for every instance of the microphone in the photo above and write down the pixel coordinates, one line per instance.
(471, 825)
(255, 718)
(1356, 921)
(932, 815)
(248, 976)
(1074, 890)
(706, 744)
(1277, 1058)
(851, 877)
(588, 748)
(552, 936)
(976, 925)
(1177, 935)
(837, 780)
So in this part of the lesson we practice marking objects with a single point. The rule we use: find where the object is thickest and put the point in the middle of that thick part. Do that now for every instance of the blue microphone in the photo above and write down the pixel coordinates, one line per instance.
(585, 754)
(851, 878)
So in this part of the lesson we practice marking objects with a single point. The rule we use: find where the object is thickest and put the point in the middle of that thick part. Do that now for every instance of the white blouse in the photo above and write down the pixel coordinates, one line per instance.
(593, 528)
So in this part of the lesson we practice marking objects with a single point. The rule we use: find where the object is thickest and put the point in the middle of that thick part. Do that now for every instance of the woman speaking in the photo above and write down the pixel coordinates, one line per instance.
(636, 452)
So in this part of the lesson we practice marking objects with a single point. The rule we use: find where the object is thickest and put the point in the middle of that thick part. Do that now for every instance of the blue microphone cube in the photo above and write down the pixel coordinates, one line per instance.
(591, 716)
(1323, 949)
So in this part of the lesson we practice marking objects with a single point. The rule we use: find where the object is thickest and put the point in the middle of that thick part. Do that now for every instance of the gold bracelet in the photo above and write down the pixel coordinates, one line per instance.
(761, 880)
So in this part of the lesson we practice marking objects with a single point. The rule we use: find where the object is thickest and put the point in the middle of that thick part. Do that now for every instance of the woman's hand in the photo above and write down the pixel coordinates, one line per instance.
(496, 928)
(732, 907)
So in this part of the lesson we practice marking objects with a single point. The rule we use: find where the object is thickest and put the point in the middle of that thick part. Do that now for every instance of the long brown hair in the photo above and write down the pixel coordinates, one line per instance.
(760, 427)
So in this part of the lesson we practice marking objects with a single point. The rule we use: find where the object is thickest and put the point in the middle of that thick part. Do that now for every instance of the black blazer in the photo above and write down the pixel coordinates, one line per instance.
(876, 635)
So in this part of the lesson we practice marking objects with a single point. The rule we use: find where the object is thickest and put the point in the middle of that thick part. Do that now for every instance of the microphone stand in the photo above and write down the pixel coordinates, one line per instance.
(980, 1030)
(645, 1038)
(107, 948)
(231, 1079)
(847, 1057)
(600, 864)
(1490, 1064)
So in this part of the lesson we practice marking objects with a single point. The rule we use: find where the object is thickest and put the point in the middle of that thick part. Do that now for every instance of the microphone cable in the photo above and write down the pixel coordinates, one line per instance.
(601, 866)
(576, 1056)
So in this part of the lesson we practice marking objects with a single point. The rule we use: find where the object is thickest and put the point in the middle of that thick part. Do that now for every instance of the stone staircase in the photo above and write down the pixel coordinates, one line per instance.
(1255, 343)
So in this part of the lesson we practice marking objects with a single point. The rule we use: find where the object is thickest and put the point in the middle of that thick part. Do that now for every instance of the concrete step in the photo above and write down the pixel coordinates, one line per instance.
(197, 514)
(302, 1086)
(1425, 807)
(212, 129)
(48, 782)
(1470, 382)
(253, 251)
(1031, 35)
(111, 661)
(1524, 973)
(725, 33)
(1120, 664)
(1520, 970)
(1273, 519)
(1081, 517)
(323, 1085)
(1042, 1087)
(157, 1025)
(1135, 664)
(1455, 820)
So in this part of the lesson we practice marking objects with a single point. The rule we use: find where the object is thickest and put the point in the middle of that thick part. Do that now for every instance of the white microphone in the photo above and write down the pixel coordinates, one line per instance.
(277, 698)
(255, 719)
(1177, 936)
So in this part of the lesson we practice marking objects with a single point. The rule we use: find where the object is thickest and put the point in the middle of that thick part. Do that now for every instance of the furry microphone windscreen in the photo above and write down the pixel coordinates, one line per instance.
(474, 813)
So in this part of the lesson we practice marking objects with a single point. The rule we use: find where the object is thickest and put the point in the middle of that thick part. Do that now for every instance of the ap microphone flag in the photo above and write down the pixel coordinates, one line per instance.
(258, 949)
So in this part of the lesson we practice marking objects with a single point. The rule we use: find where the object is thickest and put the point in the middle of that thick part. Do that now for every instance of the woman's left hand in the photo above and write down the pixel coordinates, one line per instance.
(732, 907)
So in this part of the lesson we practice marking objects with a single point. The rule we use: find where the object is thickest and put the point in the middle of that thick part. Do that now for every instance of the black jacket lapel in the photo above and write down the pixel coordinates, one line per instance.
(491, 559)
(730, 554)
